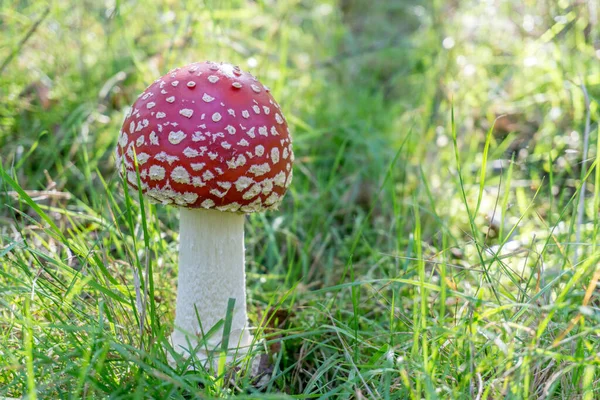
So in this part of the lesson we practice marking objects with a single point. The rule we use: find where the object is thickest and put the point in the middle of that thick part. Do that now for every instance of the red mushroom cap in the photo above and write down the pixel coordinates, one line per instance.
(208, 135)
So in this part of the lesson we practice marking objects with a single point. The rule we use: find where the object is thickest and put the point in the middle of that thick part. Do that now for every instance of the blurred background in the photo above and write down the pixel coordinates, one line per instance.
(425, 132)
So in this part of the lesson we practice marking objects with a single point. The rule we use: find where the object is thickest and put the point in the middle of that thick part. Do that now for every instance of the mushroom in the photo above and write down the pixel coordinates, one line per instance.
(210, 139)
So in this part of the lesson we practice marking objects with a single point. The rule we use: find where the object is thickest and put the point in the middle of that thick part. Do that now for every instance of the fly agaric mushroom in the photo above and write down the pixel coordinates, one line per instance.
(210, 139)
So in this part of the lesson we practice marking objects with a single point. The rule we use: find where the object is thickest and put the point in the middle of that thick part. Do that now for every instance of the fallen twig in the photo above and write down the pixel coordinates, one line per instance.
(43, 194)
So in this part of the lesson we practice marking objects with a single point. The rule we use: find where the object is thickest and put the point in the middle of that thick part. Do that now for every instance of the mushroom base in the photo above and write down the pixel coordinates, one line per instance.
(211, 271)
(208, 352)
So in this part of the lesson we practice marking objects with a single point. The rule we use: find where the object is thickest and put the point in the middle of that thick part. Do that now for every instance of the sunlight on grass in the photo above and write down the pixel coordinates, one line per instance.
(438, 240)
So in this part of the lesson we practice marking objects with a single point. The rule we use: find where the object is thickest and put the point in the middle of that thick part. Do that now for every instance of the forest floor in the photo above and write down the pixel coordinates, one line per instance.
(440, 238)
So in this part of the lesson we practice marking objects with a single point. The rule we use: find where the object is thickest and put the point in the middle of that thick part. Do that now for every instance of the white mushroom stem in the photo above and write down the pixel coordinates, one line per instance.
(211, 271)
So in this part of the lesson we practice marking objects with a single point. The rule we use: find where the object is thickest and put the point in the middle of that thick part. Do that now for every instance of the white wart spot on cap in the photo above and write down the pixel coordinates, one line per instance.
(191, 84)
(208, 203)
(255, 206)
(160, 115)
(189, 152)
(198, 137)
(279, 179)
(207, 175)
(255, 88)
(197, 166)
(207, 98)
(224, 185)
(157, 173)
(259, 169)
(267, 110)
(180, 175)
(150, 105)
(186, 112)
(162, 156)
(143, 158)
(190, 197)
(259, 150)
(256, 109)
(218, 193)
(176, 137)
(231, 207)
(250, 132)
(158, 195)
(243, 182)
(236, 85)
(245, 114)
(267, 186)
(275, 155)
(197, 181)
(130, 150)
(132, 177)
(230, 129)
(170, 99)
(278, 118)
(243, 142)
(236, 162)
(252, 192)
(213, 78)
(153, 138)
(272, 199)
(123, 139)
(262, 130)
(216, 117)
(174, 83)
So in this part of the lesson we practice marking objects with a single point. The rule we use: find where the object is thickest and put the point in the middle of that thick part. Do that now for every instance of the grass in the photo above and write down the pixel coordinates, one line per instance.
(436, 241)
